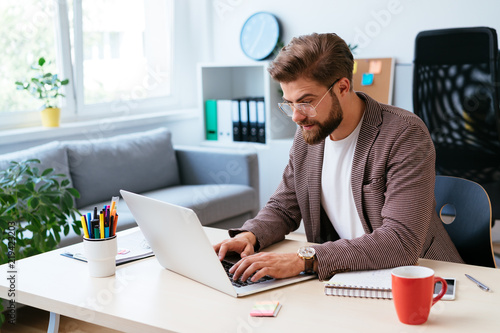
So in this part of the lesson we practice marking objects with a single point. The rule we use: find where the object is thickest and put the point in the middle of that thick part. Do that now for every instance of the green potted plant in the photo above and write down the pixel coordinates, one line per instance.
(38, 204)
(35, 207)
(46, 87)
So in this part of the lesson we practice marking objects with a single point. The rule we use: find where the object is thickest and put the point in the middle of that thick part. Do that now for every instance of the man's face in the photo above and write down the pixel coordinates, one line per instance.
(329, 112)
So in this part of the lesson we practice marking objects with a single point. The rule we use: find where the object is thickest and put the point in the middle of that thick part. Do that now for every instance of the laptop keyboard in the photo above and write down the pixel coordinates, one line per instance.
(227, 265)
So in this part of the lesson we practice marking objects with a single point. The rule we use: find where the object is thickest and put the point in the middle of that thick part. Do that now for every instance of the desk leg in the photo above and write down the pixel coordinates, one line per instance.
(54, 323)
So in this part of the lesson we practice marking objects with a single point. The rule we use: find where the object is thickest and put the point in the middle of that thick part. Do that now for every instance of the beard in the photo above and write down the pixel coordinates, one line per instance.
(322, 130)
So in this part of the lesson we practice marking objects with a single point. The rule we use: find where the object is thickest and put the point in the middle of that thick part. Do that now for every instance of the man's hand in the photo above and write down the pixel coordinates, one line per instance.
(242, 243)
(276, 265)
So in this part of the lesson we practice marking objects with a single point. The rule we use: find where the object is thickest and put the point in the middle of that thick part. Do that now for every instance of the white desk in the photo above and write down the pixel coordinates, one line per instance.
(144, 297)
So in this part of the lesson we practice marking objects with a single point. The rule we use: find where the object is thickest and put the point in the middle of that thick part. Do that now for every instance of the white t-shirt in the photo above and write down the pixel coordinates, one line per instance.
(336, 190)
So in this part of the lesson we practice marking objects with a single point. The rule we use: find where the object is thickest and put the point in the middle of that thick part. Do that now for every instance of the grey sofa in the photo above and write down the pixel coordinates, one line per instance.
(220, 185)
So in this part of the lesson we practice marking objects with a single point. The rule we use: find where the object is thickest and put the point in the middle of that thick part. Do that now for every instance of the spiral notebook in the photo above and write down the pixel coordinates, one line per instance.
(366, 284)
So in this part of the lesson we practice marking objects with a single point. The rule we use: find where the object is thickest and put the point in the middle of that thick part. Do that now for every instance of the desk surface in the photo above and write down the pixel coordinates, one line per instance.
(143, 296)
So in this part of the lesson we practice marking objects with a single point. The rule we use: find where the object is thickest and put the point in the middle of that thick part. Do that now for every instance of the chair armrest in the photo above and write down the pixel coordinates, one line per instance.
(207, 165)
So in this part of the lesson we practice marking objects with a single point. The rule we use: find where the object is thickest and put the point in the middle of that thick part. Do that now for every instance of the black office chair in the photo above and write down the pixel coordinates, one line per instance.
(464, 208)
(456, 93)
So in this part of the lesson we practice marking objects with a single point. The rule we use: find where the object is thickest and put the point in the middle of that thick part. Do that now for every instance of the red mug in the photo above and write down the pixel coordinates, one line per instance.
(412, 292)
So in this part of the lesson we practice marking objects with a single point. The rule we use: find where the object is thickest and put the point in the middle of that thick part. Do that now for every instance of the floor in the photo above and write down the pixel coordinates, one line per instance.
(32, 320)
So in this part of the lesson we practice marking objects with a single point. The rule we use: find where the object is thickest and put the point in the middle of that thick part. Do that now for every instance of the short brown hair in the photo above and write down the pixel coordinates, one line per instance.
(320, 57)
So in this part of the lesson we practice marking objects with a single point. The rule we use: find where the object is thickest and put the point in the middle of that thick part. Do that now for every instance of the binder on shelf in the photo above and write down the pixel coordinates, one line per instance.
(261, 121)
(366, 284)
(244, 120)
(239, 119)
(252, 120)
(211, 119)
(224, 120)
(235, 113)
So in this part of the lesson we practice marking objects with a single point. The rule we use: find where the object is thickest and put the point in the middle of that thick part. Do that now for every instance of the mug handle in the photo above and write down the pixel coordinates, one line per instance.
(444, 287)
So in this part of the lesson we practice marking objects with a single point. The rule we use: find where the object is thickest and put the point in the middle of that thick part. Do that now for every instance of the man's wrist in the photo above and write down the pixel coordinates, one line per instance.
(299, 264)
(308, 256)
(248, 235)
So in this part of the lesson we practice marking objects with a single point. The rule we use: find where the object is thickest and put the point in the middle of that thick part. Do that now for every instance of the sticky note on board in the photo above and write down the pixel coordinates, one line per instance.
(355, 67)
(367, 79)
(375, 66)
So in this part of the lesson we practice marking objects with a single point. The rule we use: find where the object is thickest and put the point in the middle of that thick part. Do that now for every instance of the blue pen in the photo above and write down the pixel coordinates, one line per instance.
(89, 224)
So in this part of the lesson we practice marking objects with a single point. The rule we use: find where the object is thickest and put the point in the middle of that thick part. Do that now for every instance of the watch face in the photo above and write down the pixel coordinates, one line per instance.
(307, 252)
(259, 35)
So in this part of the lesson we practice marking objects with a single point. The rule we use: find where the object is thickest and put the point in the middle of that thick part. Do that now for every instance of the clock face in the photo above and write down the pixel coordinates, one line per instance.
(259, 35)
(307, 252)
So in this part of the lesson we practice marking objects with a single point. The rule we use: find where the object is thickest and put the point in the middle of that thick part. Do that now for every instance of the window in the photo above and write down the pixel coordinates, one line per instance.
(117, 54)
(27, 32)
(125, 47)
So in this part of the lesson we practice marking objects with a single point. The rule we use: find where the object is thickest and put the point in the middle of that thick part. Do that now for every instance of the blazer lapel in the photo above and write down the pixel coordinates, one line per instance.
(314, 167)
(368, 133)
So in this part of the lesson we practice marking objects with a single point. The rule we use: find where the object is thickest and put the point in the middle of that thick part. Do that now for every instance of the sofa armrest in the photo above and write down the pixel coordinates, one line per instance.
(207, 165)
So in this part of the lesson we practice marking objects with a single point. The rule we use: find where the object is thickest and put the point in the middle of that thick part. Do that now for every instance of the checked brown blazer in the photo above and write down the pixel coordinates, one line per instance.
(393, 186)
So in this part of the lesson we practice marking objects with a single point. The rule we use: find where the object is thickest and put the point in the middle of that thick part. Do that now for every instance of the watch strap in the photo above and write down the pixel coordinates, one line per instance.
(309, 265)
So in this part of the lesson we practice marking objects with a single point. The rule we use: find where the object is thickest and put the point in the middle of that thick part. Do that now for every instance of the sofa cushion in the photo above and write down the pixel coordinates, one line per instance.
(211, 202)
(51, 155)
(138, 162)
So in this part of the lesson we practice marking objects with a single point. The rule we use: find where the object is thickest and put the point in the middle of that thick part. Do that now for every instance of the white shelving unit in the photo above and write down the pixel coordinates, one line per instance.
(222, 81)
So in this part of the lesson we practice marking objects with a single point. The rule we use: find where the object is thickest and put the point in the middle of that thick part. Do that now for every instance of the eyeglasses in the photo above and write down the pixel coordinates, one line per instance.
(306, 109)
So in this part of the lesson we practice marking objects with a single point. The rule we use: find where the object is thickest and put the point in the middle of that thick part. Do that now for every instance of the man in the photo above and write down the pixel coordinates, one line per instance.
(360, 175)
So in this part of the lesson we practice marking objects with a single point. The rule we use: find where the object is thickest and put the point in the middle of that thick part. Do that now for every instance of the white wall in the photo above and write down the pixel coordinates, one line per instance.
(381, 28)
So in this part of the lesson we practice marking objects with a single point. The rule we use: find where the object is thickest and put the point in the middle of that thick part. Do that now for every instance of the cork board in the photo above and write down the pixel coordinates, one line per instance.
(375, 77)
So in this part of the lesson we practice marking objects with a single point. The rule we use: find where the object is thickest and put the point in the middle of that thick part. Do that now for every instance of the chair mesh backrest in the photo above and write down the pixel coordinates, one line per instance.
(455, 92)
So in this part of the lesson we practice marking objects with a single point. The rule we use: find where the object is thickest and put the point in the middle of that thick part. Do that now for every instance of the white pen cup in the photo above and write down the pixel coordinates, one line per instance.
(101, 255)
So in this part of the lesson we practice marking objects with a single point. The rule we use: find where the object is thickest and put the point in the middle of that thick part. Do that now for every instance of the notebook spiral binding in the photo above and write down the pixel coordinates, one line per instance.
(356, 291)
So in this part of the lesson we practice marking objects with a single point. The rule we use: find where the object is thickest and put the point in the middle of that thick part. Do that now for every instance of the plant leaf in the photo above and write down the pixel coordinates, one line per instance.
(74, 192)
(33, 202)
(47, 171)
(67, 201)
(77, 228)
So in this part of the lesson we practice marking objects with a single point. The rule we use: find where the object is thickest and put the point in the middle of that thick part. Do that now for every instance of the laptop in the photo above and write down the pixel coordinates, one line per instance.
(180, 245)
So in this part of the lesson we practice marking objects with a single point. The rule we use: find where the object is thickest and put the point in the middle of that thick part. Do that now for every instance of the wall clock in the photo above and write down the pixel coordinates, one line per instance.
(259, 35)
